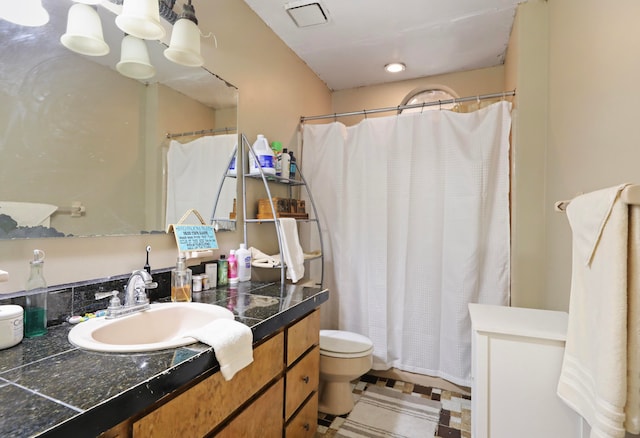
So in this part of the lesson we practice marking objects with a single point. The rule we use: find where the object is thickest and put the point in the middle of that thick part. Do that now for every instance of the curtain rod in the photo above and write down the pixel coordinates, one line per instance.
(415, 105)
(204, 131)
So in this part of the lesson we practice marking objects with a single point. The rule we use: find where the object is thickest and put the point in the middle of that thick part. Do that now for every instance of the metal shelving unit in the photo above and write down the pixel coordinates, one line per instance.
(291, 184)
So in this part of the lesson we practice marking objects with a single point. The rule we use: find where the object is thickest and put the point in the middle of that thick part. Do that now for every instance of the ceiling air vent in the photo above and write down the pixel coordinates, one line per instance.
(306, 13)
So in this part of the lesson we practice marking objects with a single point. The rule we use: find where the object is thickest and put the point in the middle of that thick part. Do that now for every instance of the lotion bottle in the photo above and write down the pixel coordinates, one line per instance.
(181, 281)
(35, 312)
(244, 263)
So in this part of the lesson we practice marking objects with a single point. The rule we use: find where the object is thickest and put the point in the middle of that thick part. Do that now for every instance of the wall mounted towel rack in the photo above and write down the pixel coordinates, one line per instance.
(630, 195)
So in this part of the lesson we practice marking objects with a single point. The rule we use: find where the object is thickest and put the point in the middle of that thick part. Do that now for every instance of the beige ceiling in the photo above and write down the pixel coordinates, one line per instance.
(360, 36)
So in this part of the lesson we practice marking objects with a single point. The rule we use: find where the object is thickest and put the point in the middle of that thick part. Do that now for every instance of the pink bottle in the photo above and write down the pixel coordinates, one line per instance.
(233, 267)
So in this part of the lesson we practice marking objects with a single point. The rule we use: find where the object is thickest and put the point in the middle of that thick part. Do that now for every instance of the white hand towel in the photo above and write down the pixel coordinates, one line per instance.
(291, 250)
(232, 343)
(260, 259)
(593, 375)
(28, 214)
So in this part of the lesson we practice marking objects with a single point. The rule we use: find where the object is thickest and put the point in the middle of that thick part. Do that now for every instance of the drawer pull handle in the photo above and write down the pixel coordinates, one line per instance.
(306, 426)
(305, 379)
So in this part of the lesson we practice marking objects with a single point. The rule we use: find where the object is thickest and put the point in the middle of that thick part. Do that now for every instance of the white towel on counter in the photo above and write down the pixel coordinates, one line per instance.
(291, 249)
(232, 343)
(593, 375)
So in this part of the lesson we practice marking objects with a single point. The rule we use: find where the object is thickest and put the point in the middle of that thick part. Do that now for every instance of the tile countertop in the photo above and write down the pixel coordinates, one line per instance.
(50, 388)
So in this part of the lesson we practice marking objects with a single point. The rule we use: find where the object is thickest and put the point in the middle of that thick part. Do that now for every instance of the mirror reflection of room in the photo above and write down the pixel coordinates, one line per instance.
(84, 147)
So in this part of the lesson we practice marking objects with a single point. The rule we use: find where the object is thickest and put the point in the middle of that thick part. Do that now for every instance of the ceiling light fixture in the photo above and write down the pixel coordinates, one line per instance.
(395, 67)
(184, 47)
(24, 12)
(134, 59)
(84, 31)
(141, 18)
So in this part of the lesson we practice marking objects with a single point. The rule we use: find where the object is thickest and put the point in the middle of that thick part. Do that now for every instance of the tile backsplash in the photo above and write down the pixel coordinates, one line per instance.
(72, 299)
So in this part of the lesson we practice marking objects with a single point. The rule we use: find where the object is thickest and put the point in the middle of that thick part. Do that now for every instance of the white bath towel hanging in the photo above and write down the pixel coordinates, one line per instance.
(593, 376)
(632, 408)
(291, 249)
(194, 173)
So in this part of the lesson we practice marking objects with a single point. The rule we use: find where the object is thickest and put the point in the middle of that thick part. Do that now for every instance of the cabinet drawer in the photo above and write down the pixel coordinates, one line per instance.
(203, 407)
(302, 335)
(302, 380)
(262, 418)
(305, 422)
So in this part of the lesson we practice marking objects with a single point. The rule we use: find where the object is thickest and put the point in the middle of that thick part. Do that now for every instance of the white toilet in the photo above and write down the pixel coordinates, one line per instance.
(344, 356)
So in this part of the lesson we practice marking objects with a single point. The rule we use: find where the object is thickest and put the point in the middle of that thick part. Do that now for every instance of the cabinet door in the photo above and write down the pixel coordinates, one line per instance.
(201, 408)
(302, 335)
(262, 418)
(301, 381)
(305, 422)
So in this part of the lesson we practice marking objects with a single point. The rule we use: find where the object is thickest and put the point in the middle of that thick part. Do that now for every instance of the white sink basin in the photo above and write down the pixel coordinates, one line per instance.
(164, 325)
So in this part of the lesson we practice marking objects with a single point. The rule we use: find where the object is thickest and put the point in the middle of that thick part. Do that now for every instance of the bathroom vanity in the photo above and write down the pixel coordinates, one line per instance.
(52, 389)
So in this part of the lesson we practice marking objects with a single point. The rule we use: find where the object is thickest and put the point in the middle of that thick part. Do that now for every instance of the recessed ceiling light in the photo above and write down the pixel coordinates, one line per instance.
(395, 67)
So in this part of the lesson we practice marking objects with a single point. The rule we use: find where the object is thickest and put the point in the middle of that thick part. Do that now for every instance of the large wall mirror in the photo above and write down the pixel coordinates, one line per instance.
(84, 150)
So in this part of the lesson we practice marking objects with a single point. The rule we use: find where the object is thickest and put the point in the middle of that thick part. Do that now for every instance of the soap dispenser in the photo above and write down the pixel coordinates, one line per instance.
(181, 281)
(35, 314)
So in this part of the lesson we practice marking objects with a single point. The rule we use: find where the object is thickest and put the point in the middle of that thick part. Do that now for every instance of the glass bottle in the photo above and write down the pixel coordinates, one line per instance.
(223, 267)
(35, 313)
(181, 281)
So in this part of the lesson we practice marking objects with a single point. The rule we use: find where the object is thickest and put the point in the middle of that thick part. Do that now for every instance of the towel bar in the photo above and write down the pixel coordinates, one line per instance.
(630, 195)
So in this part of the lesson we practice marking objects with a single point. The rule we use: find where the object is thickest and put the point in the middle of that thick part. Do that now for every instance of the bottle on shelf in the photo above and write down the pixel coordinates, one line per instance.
(285, 162)
(35, 312)
(181, 278)
(244, 263)
(292, 166)
(233, 267)
(262, 157)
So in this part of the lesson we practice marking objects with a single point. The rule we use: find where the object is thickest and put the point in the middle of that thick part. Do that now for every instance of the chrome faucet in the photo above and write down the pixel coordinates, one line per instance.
(135, 290)
(135, 295)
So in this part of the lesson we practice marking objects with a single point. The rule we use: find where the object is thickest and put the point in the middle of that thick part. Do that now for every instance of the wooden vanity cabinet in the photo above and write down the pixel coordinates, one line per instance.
(274, 396)
(302, 377)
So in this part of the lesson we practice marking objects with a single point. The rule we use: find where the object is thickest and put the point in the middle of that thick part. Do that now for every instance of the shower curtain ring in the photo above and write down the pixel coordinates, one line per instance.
(364, 111)
(422, 110)
(440, 104)
(335, 117)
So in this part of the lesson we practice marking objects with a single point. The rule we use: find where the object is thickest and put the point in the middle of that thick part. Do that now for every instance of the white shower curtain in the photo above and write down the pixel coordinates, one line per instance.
(415, 219)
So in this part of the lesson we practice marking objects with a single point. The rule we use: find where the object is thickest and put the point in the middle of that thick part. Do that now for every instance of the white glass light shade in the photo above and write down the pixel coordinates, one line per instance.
(184, 48)
(24, 12)
(141, 18)
(134, 59)
(89, 2)
(84, 31)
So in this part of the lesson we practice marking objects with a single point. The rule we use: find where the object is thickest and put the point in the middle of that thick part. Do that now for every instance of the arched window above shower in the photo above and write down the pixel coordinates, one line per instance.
(429, 94)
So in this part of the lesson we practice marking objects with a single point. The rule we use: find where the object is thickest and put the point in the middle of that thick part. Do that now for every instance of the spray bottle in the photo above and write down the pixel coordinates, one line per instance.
(35, 313)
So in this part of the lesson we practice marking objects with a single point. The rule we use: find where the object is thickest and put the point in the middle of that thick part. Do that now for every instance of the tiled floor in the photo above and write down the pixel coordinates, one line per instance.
(455, 417)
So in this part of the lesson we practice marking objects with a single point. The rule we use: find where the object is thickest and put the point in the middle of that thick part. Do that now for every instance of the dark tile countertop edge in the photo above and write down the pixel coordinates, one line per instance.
(111, 412)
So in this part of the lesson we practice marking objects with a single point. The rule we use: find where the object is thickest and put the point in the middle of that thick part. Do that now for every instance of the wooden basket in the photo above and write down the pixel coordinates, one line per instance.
(285, 207)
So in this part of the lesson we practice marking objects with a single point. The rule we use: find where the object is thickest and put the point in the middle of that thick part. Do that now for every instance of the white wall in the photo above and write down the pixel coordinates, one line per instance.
(593, 135)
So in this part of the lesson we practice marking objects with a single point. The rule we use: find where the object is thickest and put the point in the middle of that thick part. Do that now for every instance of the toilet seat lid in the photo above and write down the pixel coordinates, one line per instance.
(340, 341)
